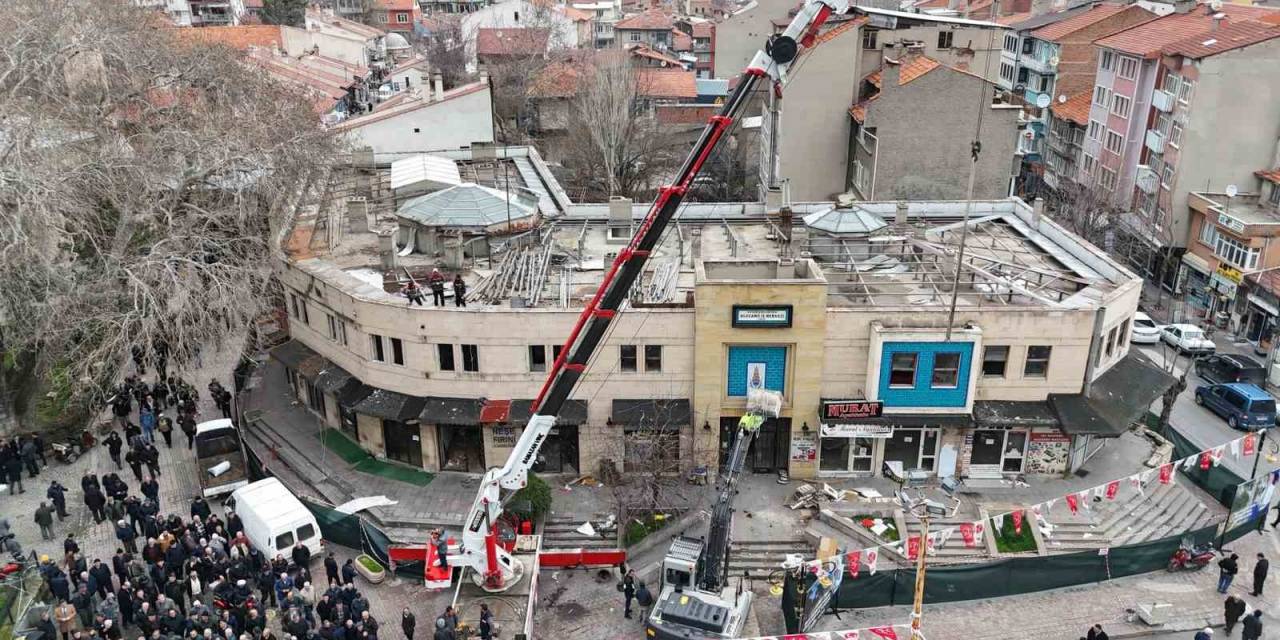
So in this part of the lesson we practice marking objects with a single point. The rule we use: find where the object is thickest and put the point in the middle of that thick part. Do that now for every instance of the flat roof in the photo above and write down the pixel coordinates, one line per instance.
(907, 15)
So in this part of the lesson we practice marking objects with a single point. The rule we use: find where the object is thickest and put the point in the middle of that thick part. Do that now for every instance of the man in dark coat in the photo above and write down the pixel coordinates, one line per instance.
(1260, 574)
(1251, 626)
(58, 495)
(135, 459)
(96, 502)
(628, 593)
(114, 445)
(1227, 570)
(331, 569)
(13, 469)
(101, 575)
(1234, 608)
(407, 623)
(44, 518)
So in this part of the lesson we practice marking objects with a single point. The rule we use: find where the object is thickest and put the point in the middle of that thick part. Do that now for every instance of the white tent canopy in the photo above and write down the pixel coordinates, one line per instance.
(424, 172)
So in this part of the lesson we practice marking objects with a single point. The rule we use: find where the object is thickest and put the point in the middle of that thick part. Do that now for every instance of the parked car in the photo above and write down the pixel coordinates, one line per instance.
(1245, 406)
(1145, 330)
(1223, 368)
(1187, 338)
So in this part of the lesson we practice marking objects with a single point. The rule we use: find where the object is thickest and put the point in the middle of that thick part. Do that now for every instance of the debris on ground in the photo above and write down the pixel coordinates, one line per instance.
(586, 529)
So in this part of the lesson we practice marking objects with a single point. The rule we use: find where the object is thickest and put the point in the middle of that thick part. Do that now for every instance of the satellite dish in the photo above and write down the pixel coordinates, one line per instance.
(1043, 100)
(1232, 191)
(1216, 5)
(1062, 99)
(1053, 62)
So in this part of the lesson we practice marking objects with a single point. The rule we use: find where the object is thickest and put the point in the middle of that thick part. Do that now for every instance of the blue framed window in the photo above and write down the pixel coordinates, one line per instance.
(756, 367)
(925, 374)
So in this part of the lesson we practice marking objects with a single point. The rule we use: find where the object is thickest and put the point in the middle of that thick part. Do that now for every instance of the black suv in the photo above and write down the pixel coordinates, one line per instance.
(1223, 368)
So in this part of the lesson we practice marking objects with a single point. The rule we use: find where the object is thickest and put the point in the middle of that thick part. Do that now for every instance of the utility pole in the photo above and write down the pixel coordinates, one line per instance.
(1262, 442)
(917, 603)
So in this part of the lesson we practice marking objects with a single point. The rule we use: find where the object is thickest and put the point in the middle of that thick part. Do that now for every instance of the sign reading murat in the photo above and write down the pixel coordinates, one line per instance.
(835, 411)
(760, 316)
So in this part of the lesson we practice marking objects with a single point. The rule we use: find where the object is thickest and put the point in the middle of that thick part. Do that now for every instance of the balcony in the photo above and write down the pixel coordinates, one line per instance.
(1147, 179)
(1042, 65)
(1155, 141)
(1162, 100)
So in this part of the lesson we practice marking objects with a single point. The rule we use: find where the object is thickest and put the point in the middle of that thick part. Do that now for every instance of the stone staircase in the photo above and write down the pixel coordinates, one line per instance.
(263, 440)
(1164, 510)
(760, 558)
(953, 550)
(560, 532)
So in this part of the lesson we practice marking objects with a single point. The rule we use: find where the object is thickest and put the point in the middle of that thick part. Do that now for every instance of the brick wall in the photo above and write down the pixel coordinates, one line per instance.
(1078, 58)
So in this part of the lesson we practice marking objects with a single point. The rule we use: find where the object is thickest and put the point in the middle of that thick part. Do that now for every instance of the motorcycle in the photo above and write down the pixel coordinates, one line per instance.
(1191, 558)
(66, 453)
(16, 564)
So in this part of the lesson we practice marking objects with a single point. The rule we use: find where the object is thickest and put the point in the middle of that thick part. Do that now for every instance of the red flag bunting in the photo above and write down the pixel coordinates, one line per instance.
(1206, 459)
(966, 532)
(913, 547)
(887, 633)
(1113, 488)
(1073, 503)
(1017, 522)
(1250, 445)
(1166, 473)
(851, 560)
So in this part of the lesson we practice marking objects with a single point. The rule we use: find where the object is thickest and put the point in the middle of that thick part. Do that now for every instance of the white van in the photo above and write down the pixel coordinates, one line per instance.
(274, 520)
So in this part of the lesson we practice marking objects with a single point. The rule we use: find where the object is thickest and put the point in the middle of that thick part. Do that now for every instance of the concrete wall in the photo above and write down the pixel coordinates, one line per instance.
(975, 49)
(370, 430)
(349, 49)
(924, 128)
(453, 123)
(1227, 138)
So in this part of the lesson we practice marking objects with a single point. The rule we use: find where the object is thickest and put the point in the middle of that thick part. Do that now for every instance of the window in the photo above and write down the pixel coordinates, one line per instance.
(635, 36)
(1100, 96)
(994, 360)
(403, 18)
(382, 17)
(1044, 84)
(627, 358)
(1107, 178)
(1108, 60)
(1274, 198)
(444, 352)
(555, 351)
(1111, 342)
(1023, 74)
(1166, 176)
(537, 357)
(1128, 68)
(1115, 142)
(1236, 252)
(1208, 233)
(1120, 106)
(1184, 91)
(337, 329)
(1124, 333)
(293, 306)
(1028, 46)
(517, 15)
(376, 352)
(1010, 43)
(946, 370)
(284, 541)
(1172, 82)
(1095, 130)
(869, 38)
(1006, 71)
(1088, 164)
(470, 358)
(397, 351)
(945, 38)
(1158, 219)
(1037, 365)
(902, 370)
(1175, 134)
(653, 357)
(306, 532)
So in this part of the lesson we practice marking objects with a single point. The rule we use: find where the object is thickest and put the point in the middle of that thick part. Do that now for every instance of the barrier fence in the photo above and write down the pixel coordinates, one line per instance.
(1029, 574)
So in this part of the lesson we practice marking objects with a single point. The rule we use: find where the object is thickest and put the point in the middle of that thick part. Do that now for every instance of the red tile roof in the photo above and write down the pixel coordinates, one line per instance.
(666, 83)
(841, 28)
(396, 5)
(1148, 39)
(1012, 19)
(557, 80)
(680, 41)
(913, 68)
(1231, 36)
(642, 51)
(1063, 28)
(1075, 109)
(576, 15)
(512, 41)
(651, 20)
(239, 37)
(1272, 175)
(702, 29)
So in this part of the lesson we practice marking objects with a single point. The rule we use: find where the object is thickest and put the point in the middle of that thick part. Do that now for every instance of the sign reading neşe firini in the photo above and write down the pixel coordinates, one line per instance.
(762, 316)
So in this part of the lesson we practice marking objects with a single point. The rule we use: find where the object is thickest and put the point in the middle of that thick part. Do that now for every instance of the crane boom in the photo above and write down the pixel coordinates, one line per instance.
(496, 570)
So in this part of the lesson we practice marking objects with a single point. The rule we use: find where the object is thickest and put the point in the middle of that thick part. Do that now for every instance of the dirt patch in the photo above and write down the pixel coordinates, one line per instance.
(554, 597)
(570, 610)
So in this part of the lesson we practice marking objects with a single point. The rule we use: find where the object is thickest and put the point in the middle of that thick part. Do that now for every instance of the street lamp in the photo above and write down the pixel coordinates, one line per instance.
(925, 509)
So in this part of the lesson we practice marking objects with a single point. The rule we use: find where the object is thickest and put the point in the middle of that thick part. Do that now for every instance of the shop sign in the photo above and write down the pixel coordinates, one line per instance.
(759, 316)
(1229, 273)
(804, 447)
(857, 431)
(1231, 223)
(839, 410)
(1049, 436)
(1222, 286)
(504, 436)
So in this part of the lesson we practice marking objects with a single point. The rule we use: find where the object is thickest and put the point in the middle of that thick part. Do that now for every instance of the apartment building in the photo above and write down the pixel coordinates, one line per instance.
(603, 16)
(1119, 137)
(1068, 121)
(854, 337)
(652, 28)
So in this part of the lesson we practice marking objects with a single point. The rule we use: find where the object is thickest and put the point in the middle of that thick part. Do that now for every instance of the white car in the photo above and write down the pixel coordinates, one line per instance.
(1187, 338)
(1145, 330)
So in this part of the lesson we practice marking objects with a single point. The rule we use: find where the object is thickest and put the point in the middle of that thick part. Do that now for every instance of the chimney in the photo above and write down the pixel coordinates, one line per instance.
(1037, 212)
(437, 82)
(619, 226)
(1185, 6)
(900, 216)
(387, 249)
(1217, 20)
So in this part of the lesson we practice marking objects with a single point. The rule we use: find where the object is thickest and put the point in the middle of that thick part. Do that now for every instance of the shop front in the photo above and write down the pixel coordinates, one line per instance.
(768, 453)
(858, 439)
(458, 445)
(1223, 285)
(1195, 285)
(398, 417)
(559, 452)
(653, 433)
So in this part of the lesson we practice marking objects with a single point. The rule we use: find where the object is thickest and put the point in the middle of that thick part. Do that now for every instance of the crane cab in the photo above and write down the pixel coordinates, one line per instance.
(680, 566)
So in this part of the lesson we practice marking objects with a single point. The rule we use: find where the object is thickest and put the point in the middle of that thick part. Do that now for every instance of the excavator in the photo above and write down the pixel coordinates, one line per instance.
(694, 602)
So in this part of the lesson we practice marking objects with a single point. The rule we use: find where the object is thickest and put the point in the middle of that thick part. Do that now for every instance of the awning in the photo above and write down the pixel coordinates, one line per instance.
(451, 410)
(331, 378)
(649, 413)
(1009, 413)
(572, 412)
(495, 411)
(921, 420)
(293, 354)
(1196, 262)
(1115, 401)
(390, 405)
(353, 392)
(1262, 304)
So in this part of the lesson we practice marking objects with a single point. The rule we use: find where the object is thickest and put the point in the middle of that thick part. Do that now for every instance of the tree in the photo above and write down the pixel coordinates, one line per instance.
(290, 13)
(141, 181)
(1085, 210)
(446, 47)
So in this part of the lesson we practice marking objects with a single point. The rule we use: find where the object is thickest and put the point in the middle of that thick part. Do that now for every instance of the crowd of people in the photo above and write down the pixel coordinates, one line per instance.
(19, 454)
(435, 282)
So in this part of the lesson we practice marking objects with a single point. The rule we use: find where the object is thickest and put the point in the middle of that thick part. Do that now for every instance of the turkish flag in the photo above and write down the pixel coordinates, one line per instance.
(1250, 444)
(1113, 488)
(966, 532)
(1206, 459)
(1073, 503)
(851, 560)
(913, 547)
(887, 633)
(1166, 473)
(1017, 522)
